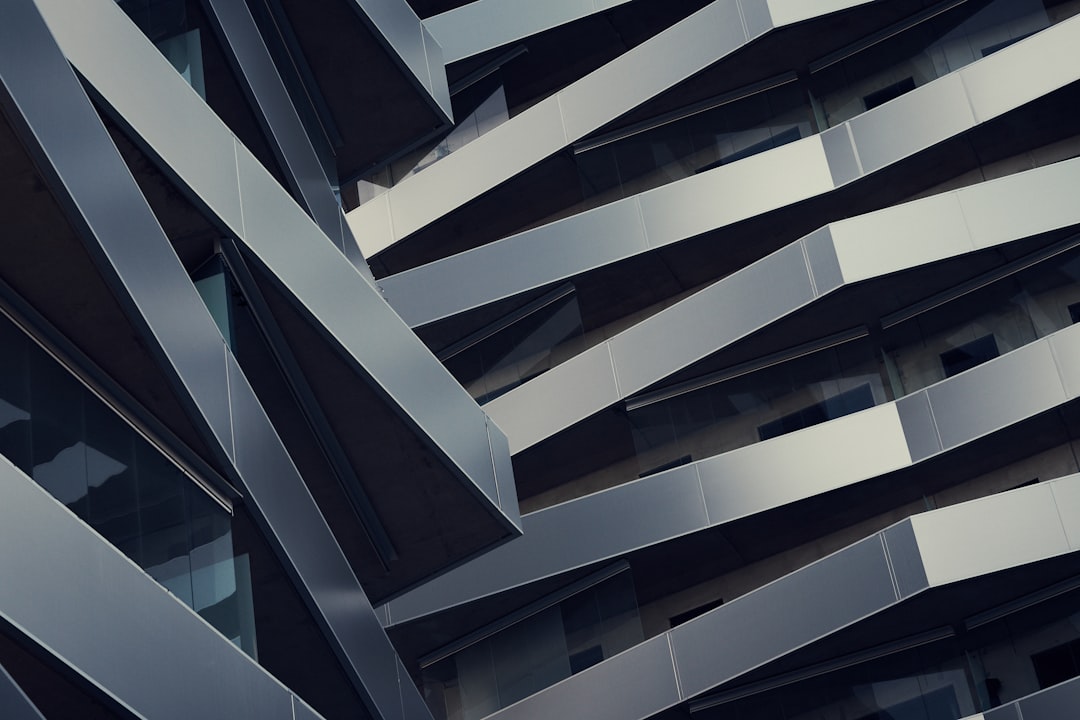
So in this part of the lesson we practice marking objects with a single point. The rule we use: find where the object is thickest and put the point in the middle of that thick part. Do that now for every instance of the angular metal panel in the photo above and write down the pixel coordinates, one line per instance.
(734, 192)
(904, 559)
(652, 67)
(912, 122)
(756, 17)
(821, 259)
(487, 161)
(782, 616)
(550, 402)
(1054, 703)
(505, 487)
(519, 263)
(372, 225)
(573, 534)
(787, 12)
(989, 534)
(1021, 205)
(302, 711)
(840, 152)
(996, 394)
(918, 423)
(270, 99)
(13, 701)
(293, 520)
(804, 463)
(122, 631)
(291, 246)
(1023, 72)
(1066, 492)
(901, 236)
(152, 97)
(722, 313)
(1065, 347)
(629, 686)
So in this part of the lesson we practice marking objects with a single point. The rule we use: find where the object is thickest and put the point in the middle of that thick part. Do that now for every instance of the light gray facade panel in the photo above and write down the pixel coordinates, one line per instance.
(652, 67)
(556, 399)
(1065, 347)
(14, 705)
(119, 62)
(730, 193)
(726, 311)
(603, 691)
(780, 617)
(912, 122)
(1021, 205)
(293, 519)
(1067, 498)
(918, 424)
(999, 393)
(516, 264)
(904, 559)
(563, 537)
(436, 67)
(787, 12)
(271, 100)
(756, 17)
(990, 534)
(821, 258)
(122, 631)
(803, 464)
(840, 153)
(1032, 68)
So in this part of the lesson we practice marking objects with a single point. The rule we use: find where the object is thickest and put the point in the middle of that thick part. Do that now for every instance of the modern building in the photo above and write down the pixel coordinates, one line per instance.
(601, 359)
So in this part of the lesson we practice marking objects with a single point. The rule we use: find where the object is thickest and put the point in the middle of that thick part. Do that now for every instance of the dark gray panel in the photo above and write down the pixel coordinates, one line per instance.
(918, 424)
(840, 152)
(14, 705)
(821, 259)
(293, 520)
(629, 686)
(301, 711)
(504, 473)
(1009, 712)
(268, 96)
(904, 558)
(782, 616)
(122, 631)
(1055, 703)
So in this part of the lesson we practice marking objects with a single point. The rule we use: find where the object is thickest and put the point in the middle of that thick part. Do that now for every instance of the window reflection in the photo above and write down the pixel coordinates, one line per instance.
(87, 457)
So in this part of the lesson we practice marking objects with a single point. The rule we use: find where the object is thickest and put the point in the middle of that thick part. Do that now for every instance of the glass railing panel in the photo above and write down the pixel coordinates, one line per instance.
(521, 346)
(87, 457)
(756, 406)
(547, 646)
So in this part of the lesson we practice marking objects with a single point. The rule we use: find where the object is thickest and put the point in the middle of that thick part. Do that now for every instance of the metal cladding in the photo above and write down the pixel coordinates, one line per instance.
(443, 360)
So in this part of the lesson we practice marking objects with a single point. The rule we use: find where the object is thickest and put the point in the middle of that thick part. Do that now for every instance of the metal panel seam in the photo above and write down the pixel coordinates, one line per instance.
(809, 269)
(854, 152)
(1057, 509)
(674, 667)
(889, 564)
(614, 372)
(239, 187)
(641, 221)
(701, 487)
(228, 397)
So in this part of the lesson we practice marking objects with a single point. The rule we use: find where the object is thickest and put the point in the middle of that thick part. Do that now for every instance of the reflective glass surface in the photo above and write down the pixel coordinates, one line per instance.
(79, 450)
(536, 652)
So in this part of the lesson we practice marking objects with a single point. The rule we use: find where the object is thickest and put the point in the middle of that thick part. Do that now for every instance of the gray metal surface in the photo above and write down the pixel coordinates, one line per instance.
(758, 477)
(761, 183)
(810, 604)
(848, 251)
(686, 47)
(14, 705)
(92, 182)
(134, 79)
(121, 631)
(267, 95)
(1054, 703)
(486, 24)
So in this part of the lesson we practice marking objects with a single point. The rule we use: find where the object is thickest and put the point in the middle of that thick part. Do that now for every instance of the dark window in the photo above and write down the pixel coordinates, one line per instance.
(693, 613)
(991, 49)
(845, 403)
(782, 138)
(885, 94)
(969, 355)
(1074, 312)
(1057, 664)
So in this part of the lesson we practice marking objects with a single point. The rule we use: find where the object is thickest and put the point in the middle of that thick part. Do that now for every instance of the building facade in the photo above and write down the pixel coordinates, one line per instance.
(604, 359)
